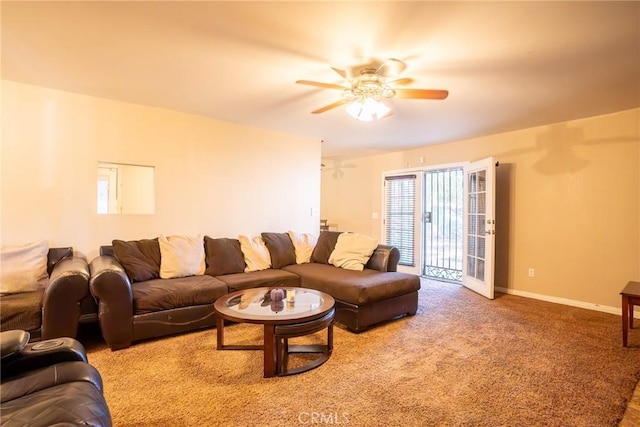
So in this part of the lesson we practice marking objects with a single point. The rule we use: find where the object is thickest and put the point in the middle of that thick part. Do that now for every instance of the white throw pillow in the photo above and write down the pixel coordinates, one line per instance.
(303, 243)
(256, 254)
(24, 268)
(181, 256)
(352, 251)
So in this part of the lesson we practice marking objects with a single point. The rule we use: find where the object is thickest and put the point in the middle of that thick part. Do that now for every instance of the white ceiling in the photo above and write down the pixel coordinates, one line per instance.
(507, 65)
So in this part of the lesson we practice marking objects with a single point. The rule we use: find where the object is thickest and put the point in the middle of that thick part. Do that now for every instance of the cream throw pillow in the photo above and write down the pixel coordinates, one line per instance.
(303, 243)
(24, 268)
(352, 251)
(256, 254)
(181, 256)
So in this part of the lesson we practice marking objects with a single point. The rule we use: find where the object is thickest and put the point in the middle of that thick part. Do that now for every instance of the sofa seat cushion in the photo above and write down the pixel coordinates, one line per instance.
(166, 294)
(21, 311)
(255, 279)
(355, 287)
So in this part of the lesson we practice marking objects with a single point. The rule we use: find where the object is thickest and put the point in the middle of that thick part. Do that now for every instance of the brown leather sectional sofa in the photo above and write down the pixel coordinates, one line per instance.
(130, 309)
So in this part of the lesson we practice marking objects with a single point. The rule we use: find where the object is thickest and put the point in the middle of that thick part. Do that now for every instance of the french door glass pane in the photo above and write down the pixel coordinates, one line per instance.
(480, 270)
(472, 183)
(481, 206)
(471, 246)
(472, 203)
(480, 247)
(481, 225)
(482, 181)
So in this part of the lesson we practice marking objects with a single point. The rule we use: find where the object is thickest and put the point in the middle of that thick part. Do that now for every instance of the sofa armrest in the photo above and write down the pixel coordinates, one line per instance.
(68, 285)
(384, 258)
(43, 353)
(12, 342)
(55, 255)
(110, 285)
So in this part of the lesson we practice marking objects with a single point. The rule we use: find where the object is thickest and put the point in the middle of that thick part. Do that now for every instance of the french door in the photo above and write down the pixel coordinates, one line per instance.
(479, 226)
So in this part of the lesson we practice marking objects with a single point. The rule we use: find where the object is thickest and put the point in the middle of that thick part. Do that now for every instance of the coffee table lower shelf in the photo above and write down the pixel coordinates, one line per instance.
(276, 345)
(282, 334)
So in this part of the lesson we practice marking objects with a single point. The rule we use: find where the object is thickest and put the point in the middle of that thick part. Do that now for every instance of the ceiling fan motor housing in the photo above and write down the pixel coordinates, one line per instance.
(369, 85)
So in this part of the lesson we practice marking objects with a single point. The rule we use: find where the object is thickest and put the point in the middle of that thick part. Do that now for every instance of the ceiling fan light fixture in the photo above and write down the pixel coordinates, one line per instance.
(367, 109)
(363, 92)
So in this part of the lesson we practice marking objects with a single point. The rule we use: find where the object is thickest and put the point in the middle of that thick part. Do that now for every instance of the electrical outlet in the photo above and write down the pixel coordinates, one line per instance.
(532, 272)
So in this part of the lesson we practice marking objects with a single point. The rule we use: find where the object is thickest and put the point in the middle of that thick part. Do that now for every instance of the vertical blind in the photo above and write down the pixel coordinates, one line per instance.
(400, 202)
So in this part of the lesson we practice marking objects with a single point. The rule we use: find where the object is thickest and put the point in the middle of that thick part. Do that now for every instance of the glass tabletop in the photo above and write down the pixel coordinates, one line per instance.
(258, 303)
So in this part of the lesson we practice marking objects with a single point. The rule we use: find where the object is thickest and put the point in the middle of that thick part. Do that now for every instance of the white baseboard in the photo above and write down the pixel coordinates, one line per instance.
(566, 301)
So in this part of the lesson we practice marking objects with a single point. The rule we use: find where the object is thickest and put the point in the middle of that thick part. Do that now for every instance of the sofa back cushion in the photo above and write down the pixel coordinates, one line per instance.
(325, 246)
(280, 248)
(139, 258)
(223, 256)
(181, 256)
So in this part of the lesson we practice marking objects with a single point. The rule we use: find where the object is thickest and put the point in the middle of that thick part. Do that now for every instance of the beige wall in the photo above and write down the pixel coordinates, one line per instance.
(211, 177)
(568, 203)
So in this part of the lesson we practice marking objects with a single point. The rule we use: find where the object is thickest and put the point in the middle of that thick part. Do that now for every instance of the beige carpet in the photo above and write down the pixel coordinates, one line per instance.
(461, 361)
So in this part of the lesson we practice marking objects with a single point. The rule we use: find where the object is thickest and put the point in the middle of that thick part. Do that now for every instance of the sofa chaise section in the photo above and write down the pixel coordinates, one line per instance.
(363, 298)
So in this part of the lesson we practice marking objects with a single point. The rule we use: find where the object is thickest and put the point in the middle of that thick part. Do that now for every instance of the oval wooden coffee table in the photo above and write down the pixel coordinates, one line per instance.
(309, 312)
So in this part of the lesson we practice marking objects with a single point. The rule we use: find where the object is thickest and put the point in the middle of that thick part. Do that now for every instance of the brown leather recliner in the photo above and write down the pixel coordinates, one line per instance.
(49, 383)
(55, 310)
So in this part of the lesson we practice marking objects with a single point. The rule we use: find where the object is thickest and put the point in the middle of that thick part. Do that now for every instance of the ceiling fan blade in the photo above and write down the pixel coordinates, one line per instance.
(322, 85)
(421, 93)
(342, 73)
(402, 81)
(330, 106)
(391, 67)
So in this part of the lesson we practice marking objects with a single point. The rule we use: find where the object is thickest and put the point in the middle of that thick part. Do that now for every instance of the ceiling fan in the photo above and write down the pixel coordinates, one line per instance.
(337, 168)
(368, 85)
